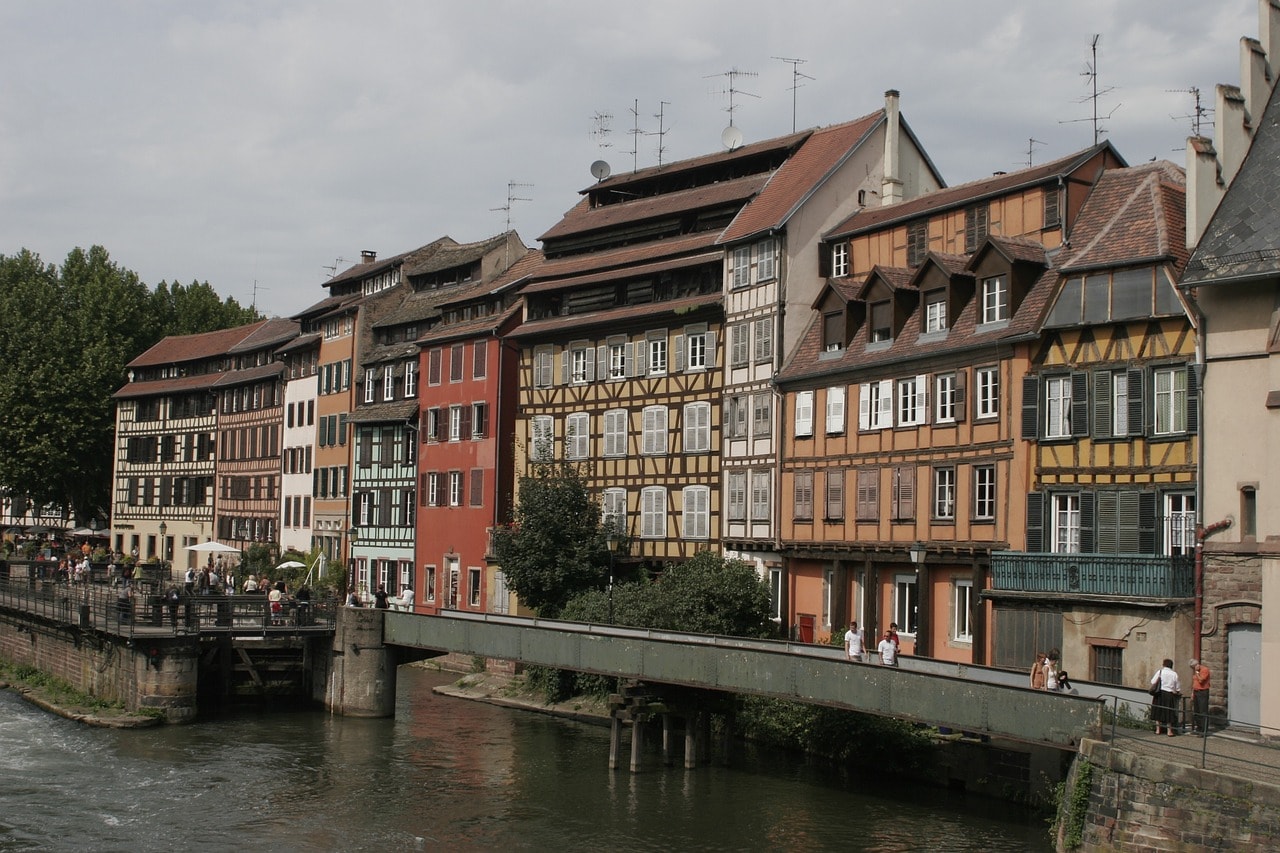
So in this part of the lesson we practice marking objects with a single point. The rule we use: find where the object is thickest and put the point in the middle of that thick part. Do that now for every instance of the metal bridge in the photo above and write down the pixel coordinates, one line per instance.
(966, 698)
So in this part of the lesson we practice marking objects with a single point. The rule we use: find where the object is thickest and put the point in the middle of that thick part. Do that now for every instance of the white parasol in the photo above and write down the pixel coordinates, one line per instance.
(291, 564)
(212, 548)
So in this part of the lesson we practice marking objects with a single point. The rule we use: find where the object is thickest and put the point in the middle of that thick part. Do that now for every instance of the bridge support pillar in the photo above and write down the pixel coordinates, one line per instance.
(666, 739)
(637, 743)
(362, 679)
(615, 739)
(691, 746)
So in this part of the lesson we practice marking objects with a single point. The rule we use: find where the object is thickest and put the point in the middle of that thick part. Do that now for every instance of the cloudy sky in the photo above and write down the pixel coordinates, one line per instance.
(265, 141)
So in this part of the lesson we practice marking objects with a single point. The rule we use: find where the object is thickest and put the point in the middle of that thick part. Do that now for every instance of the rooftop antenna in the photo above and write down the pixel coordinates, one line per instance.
(733, 91)
(1198, 114)
(1091, 71)
(511, 197)
(601, 130)
(333, 268)
(253, 306)
(635, 133)
(796, 76)
(1031, 143)
(661, 132)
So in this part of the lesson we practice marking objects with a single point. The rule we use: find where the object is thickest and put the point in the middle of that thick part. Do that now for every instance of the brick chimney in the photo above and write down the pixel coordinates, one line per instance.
(368, 256)
(891, 184)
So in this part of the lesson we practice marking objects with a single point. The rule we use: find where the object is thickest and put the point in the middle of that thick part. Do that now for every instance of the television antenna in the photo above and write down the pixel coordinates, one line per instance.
(1198, 113)
(733, 91)
(636, 133)
(601, 130)
(796, 76)
(511, 197)
(661, 132)
(1091, 72)
(253, 306)
(1031, 143)
(333, 268)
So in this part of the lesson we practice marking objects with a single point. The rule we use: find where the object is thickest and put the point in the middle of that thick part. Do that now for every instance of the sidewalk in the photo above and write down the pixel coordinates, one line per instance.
(1232, 753)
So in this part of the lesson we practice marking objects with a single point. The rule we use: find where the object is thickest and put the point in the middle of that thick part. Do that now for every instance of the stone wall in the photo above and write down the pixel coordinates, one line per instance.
(1139, 803)
(1232, 596)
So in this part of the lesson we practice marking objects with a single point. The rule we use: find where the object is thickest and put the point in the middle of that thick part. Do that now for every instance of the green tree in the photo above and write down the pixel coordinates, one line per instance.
(555, 548)
(196, 308)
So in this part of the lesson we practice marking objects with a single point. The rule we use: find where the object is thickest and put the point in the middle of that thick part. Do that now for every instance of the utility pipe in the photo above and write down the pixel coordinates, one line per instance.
(1203, 533)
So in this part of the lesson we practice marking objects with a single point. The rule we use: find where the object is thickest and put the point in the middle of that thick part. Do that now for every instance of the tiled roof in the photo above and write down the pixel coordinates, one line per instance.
(802, 173)
(472, 328)
(326, 305)
(1015, 249)
(178, 385)
(898, 278)
(593, 262)
(871, 218)
(452, 254)
(664, 265)
(177, 349)
(584, 219)
(413, 256)
(513, 276)
(249, 374)
(615, 316)
(272, 333)
(301, 342)
(1132, 215)
(1242, 240)
(403, 411)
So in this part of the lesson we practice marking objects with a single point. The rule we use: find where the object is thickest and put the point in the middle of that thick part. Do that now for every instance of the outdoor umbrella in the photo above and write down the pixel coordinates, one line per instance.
(291, 564)
(212, 547)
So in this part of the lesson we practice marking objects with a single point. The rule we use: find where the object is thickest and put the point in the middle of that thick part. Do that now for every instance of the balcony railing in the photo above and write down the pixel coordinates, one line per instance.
(1119, 575)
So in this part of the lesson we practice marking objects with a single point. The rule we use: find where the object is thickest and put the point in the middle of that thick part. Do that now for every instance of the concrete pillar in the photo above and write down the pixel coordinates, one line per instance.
(166, 675)
(615, 738)
(691, 741)
(362, 680)
(666, 739)
(637, 743)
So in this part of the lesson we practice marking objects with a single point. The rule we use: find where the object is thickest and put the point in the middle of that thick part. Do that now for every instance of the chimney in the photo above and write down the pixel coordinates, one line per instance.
(368, 256)
(891, 184)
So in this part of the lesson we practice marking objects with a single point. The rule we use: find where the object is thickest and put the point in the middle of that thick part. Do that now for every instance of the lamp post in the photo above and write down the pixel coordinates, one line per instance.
(164, 528)
(917, 553)
(612, 539)
(352, 533)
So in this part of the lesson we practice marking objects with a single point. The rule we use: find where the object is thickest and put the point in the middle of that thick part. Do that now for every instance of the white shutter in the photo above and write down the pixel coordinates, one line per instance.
(804, 413)
(885, 417)
(835, 409)
(602, 361)
(678, 365)
(864, 406)
(566, 364)
(641, 358)
(921, 401)
(711, 350)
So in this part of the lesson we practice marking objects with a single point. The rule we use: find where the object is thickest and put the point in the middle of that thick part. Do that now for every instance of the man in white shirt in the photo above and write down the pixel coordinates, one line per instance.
(853, 642)
(888, 650)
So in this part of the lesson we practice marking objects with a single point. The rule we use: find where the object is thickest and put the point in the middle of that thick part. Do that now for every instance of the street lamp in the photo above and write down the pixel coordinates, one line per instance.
(613, 539)
(352, 533)
(917, 552)
(164, 528)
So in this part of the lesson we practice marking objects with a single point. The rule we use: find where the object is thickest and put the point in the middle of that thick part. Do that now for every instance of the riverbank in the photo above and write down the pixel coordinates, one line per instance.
(510, 691)
(61, 699)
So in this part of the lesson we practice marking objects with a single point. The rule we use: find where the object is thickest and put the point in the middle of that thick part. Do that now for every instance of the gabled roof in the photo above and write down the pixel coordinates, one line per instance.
(897, 278)
(1242, 240)
(363, 269)
(806, 170)
(451, 254)
(872, 218)
(177, 349)
(1134, 215)
(272, 333)
(620, 258)
(1015, 249)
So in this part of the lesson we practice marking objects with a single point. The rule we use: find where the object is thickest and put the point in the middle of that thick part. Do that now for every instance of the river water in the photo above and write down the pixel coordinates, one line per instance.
(445, 774)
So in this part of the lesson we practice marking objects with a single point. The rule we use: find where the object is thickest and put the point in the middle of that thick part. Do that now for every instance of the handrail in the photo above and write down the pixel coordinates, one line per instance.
(1222, 734)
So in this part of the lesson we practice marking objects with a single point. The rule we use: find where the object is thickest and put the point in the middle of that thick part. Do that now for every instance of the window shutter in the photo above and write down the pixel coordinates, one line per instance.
(884, 417)
(905, 494)
(566, 363)
(591, 366)
(711, 350)
(1079, 404)
(804, 413)
(921, 402)
(1137, 411)
(641, 358)
(422, 490)
(1030, 415)
(1086, 523)
(342, 429)
(1102, 404)
(440, 424)
(628, 359)
(864, 406)
(1193, 401)
(961, 410)
(1109, 524)
(464, 431)
(834, 494)
(1147, 523)
(602, 361)
(384, 508)
(1035, 522)
(678, 365)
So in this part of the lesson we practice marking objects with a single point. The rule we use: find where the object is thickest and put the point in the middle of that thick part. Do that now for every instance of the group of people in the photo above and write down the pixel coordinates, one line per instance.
(886, 649)
(1166, 690)
(1047, 674)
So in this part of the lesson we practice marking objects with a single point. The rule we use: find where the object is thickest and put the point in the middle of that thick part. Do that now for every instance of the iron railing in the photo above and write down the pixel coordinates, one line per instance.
(1120, 575)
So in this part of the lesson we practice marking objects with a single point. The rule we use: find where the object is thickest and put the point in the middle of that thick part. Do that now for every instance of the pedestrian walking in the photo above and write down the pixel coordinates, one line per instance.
(888, 650)
(1037, 672)
(853, 642)
(1165, 689)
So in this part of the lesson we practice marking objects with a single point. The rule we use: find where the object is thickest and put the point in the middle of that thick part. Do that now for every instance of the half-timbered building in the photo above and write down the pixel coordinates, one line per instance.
(297, 462)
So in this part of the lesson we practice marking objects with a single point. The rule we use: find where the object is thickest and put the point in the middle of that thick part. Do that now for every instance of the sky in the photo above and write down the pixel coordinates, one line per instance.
(259, 144)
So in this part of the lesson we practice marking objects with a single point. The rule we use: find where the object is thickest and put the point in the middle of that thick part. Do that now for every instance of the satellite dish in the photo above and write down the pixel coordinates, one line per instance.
(731, 137)
(600, 170)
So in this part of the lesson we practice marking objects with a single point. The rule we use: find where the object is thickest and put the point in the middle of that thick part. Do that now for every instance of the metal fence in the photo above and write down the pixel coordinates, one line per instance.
(1126, 575)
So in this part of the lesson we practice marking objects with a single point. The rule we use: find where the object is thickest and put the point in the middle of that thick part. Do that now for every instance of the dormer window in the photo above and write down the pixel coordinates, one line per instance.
(917, 243)
(840, 260)
(935, 311)
(995, 299)
(833, 331)
(881, 322)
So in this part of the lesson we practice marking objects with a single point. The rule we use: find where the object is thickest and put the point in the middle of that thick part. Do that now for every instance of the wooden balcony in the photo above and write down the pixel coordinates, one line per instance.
(1118, 575)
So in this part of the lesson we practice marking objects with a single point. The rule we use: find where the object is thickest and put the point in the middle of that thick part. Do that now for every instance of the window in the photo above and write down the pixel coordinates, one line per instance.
(742, 266)
(477, 487)
(911, 400)
(975, 227)
(1057, 407)
(875, 405)
(613, 509)
(917, 242)
(995, 299)
(935, 311)
(762, 414)
(867, 500)
(834, 497)
(1108, 664)
(653, 512)
(833, 331)
(455, 363)
(988, 398)
(695, 522)
(654, 431)
(455, 423)
(430, 572)
(455, 488)
(904, 493)
(388, 383)
(839, 259)
(1066, 524)
(479, 420)
(410, 378)
(479, 360)
(618, 360)
(984, 492)
(761, 496)
(697, 427)
(1248, 512)
(581, 365)
(737, 488)
(775, 594)
(657, 361)
(802, 496)
(735, 419)
(962, 611)
(881, 328)
(473, 586)
(766, 260)
(739, 344)
(542, 438)
(835, 409)
(905, 603)
(577, 436)
(944, 493)
(615, 432)
(697, 350)
(804, 414)
(764, 339)
(1179, 523)
(946, 398)
(368, 384)
(543, 366)
(1170, 388)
